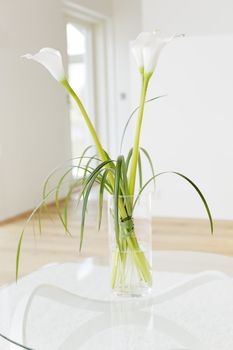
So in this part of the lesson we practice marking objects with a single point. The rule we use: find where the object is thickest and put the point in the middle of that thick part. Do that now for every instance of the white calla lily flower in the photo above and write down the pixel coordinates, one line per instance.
(142, 40)
(51, 59)
(147, 48)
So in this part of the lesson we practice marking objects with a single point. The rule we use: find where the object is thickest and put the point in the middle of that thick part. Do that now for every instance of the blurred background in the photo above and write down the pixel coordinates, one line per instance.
(189, 130)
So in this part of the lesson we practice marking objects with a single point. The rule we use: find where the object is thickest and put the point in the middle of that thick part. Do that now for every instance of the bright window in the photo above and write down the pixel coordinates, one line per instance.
(79, 66)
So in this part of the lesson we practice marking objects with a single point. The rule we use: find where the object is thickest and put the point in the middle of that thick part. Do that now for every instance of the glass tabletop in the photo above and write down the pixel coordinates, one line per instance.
(70, 306)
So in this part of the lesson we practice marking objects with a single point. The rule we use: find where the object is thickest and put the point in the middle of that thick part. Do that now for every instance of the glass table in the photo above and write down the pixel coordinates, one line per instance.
(69, 306)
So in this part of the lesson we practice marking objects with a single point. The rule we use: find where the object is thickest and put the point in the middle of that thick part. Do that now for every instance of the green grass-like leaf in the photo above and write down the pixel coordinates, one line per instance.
(84, 154)
(130, 118)
(146, 154)
(92, 173)
(88, 165)
(84, 207)
(140, 178)
(101, 195)
(116, 197)
(24, 228)
(191, 183)
(86, 192)
(57, 199)
(129, 156)
(73, 186)
(125, 188)
(58, 168)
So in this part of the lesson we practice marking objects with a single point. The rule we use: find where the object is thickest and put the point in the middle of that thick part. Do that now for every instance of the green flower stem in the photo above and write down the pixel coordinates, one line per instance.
(135, 154)
(119, 269)
(94, 135)
(139, 258)
(128, 251)
(87, 120)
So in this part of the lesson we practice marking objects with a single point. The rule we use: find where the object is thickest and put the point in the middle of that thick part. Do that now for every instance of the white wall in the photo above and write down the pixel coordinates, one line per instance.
(190, 130)
(196, 17)
(34, 124)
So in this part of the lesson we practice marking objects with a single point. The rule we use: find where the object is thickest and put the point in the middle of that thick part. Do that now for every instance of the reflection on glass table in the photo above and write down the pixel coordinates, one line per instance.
(70, 306)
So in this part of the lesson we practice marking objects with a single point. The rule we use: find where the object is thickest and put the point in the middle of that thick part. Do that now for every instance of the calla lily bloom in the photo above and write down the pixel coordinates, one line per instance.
(142, 40)
(51, 59)
(147, 48)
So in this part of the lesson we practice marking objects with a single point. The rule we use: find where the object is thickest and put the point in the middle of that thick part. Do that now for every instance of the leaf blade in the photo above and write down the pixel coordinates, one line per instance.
(101, 194)
(130, 118)
(191, 183)
(116, 198)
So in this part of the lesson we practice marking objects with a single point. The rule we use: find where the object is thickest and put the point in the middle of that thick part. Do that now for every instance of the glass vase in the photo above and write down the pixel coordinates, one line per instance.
(131, 246)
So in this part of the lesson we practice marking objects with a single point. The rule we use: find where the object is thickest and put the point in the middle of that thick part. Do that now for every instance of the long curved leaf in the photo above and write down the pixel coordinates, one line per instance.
(117, 181)
(129, 156)
(83, 154)
(57, 200)
(125, 188)
(101, 194)
(191, 183)
(99, 167)
(57, 195)
(88, 186)
(140, 178)
(58, 168)
(23, 230)
(84, 207)
(67, 199)
(131, 116)
(149, 161)
(112, 165)
(88, 165)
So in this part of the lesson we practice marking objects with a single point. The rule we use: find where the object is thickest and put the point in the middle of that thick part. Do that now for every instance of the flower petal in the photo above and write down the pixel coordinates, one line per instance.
(147, 48)
(51, 59)
(152, 52)
(137, 46)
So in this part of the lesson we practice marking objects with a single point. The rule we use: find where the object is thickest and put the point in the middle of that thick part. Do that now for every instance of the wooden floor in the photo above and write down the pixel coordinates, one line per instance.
(54, 246)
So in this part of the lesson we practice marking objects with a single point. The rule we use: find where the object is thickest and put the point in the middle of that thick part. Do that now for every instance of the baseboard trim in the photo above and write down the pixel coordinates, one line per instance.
(24, 215)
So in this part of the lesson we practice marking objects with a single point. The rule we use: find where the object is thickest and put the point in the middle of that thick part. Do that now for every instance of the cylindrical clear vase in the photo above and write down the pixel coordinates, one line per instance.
(130, 245)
